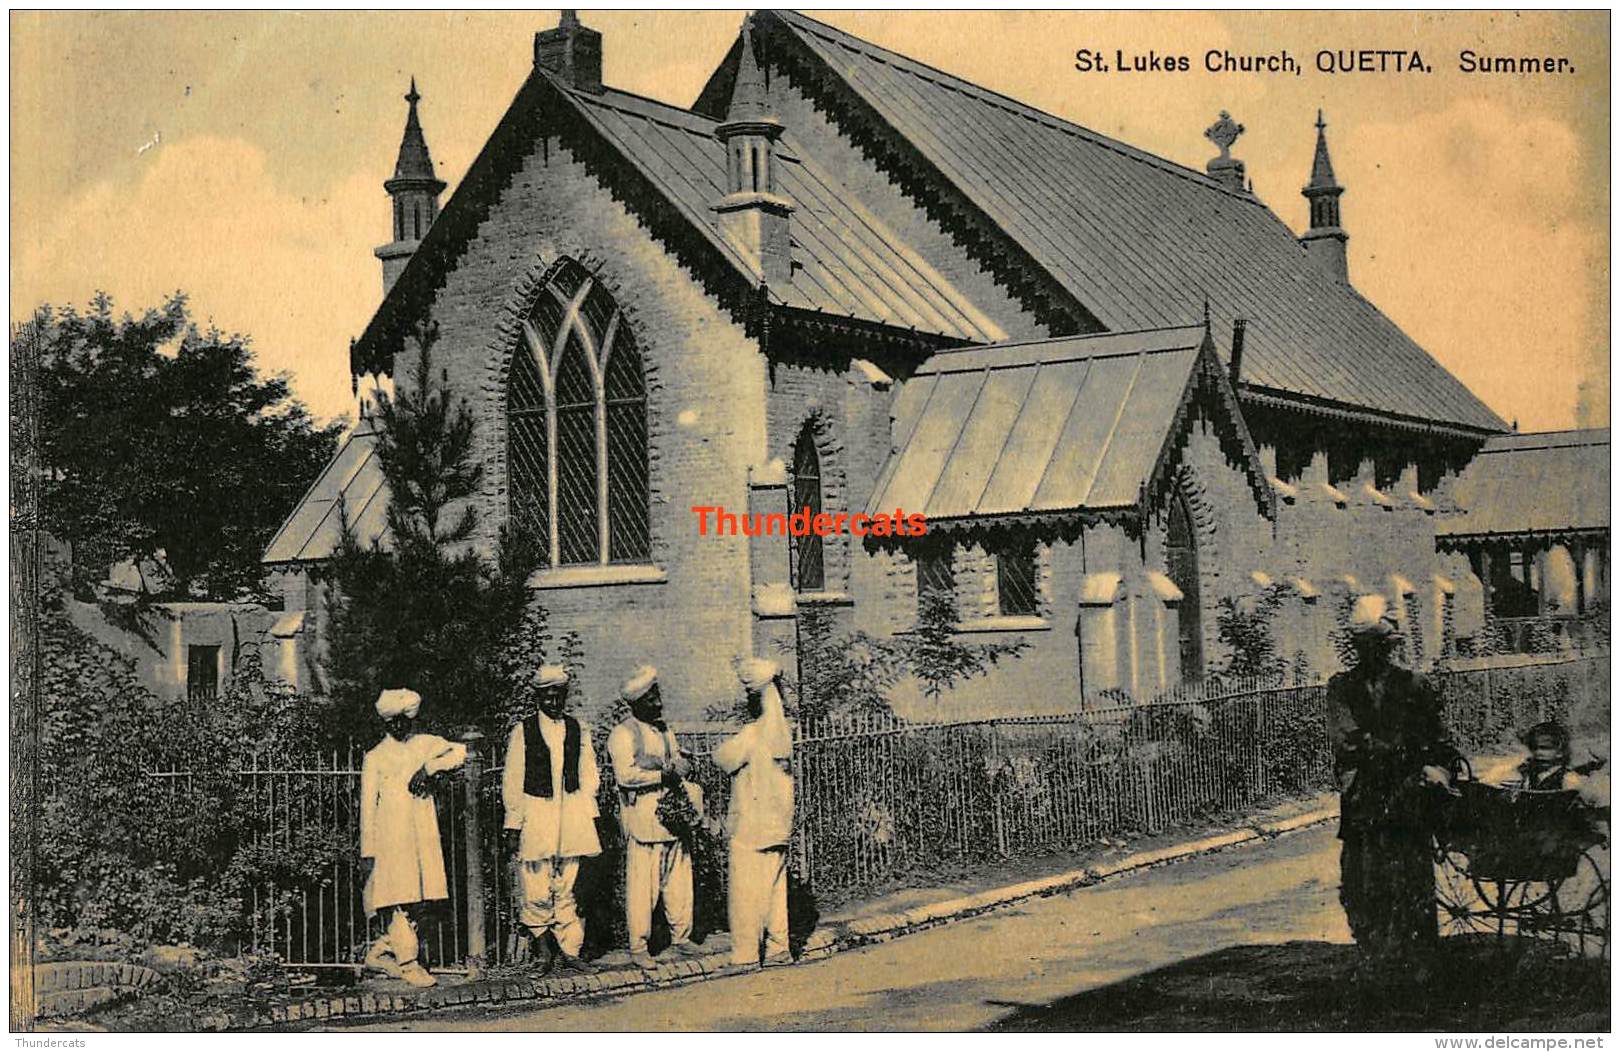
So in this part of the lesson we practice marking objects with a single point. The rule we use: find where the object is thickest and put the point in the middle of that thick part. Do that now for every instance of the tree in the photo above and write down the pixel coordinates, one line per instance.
(428, 611)
(856, 672)
(934, 654)
(158, 437)
(1246, 629)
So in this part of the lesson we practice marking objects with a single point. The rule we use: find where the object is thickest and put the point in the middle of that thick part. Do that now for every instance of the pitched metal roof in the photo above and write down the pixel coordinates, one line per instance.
(847, 261)
(667, 167)
(353, 480)
(1073, 425)
(1540, 482)
(1141, 241)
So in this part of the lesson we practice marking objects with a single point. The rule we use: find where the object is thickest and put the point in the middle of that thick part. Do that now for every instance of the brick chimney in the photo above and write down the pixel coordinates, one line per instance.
(573, 52)
(753, 216)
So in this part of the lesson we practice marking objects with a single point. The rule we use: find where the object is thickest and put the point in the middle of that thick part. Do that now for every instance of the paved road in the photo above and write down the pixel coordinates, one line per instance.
(970, 974)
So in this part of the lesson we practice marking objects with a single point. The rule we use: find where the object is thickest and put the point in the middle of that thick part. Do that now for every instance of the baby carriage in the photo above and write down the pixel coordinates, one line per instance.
(1524, 862)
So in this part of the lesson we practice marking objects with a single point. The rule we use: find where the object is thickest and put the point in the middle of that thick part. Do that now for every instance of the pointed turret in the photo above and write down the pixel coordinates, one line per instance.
(753, 216)
(1325, 240)
(415, 190)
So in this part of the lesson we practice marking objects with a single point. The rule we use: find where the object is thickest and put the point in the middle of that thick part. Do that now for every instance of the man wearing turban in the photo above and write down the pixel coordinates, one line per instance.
(399, 832)
(1390, 755)
(760, 821)
(549, 788)
(647, 763)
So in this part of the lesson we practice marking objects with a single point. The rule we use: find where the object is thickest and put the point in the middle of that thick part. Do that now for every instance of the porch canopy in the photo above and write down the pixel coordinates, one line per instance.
(1081, 426)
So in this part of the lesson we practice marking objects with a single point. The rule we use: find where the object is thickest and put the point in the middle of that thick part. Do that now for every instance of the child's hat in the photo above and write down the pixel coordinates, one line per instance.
(398, 701)
(1546, 729)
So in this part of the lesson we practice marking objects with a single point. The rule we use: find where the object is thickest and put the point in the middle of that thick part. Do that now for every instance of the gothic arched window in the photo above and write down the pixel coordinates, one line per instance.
(576, 407)
(810, 572)
(1181, 559)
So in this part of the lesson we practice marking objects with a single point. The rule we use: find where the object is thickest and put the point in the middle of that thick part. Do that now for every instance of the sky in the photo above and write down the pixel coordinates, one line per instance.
(240, 157)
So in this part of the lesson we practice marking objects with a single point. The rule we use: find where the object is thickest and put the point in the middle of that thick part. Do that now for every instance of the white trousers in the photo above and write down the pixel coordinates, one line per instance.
(758, 904)
(398, 940)
(654, 871)
(547, 886)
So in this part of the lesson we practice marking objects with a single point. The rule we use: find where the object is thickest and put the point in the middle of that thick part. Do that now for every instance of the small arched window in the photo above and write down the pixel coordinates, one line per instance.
(809, 567)
(576, 405)
(1181, 558)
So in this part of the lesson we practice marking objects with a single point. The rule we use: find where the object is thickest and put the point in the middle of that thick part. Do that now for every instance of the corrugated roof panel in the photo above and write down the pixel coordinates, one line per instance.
(355, 476)
(296, 531)
(1067, 482)
(979, 447)
(1134, 448)
(1033, 438)
(923, 459)
(1054, 426)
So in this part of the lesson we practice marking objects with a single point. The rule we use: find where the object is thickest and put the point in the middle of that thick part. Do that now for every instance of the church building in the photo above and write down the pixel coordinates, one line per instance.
(1123, 393)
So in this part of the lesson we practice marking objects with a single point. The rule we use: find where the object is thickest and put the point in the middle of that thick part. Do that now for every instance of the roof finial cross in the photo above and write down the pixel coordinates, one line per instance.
(1223, 133)
(413, 98)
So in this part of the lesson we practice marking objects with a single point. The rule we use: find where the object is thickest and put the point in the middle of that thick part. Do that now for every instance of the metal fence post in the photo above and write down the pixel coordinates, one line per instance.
(472, 779)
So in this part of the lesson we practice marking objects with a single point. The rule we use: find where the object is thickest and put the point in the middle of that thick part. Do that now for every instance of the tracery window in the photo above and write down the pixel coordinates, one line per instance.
(576, 409)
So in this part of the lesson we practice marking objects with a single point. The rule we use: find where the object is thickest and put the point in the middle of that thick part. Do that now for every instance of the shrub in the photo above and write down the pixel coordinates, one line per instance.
(126, 849)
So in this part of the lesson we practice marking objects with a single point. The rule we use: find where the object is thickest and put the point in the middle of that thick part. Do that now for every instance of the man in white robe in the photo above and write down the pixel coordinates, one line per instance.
(399, 832)
(549, 788)
(760, 820)
(647, 763)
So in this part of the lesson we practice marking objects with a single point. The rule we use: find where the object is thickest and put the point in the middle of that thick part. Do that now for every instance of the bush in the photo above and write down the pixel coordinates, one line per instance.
(126, 850)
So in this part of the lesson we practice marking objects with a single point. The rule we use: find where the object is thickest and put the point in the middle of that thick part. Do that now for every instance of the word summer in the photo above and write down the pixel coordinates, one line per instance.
(805, 522)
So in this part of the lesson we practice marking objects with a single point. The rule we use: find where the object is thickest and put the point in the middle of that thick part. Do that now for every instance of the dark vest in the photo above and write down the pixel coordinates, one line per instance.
(537, 758)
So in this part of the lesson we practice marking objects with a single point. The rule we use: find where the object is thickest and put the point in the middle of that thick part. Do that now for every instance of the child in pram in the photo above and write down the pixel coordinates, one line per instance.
(1550, 767)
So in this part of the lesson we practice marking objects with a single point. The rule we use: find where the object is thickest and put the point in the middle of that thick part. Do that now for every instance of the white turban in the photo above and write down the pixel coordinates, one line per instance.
(398, 701)
(550, 676)
(755, 673)
(759, 675)
(1370, 616)
(639, 683)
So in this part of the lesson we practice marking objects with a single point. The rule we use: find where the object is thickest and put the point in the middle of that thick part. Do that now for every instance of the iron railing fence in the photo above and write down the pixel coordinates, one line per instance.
(877, 797)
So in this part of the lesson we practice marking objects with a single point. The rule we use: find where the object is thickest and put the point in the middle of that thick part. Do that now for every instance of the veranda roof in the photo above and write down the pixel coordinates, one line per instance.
(1535, 483)
(1066, 426)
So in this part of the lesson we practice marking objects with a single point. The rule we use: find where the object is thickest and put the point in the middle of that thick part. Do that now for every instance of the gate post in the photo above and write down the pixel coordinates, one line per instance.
(472, 847)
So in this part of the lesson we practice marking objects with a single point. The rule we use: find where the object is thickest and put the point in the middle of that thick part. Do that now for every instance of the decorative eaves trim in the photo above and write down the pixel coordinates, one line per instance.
(1311, 405)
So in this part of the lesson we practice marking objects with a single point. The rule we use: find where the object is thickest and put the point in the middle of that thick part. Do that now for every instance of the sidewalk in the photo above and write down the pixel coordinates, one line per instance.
(875, 919)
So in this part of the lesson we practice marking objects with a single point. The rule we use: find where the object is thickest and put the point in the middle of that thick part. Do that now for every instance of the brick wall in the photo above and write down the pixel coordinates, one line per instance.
(706, 425)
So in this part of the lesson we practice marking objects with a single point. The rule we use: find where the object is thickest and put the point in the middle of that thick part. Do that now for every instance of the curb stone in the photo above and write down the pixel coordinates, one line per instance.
(822, 943)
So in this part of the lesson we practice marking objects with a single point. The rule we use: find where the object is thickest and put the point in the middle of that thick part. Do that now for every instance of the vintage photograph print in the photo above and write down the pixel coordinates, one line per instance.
(694, 521)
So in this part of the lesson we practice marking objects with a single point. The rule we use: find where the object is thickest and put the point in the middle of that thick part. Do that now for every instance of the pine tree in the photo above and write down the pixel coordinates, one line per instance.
(429, 611)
